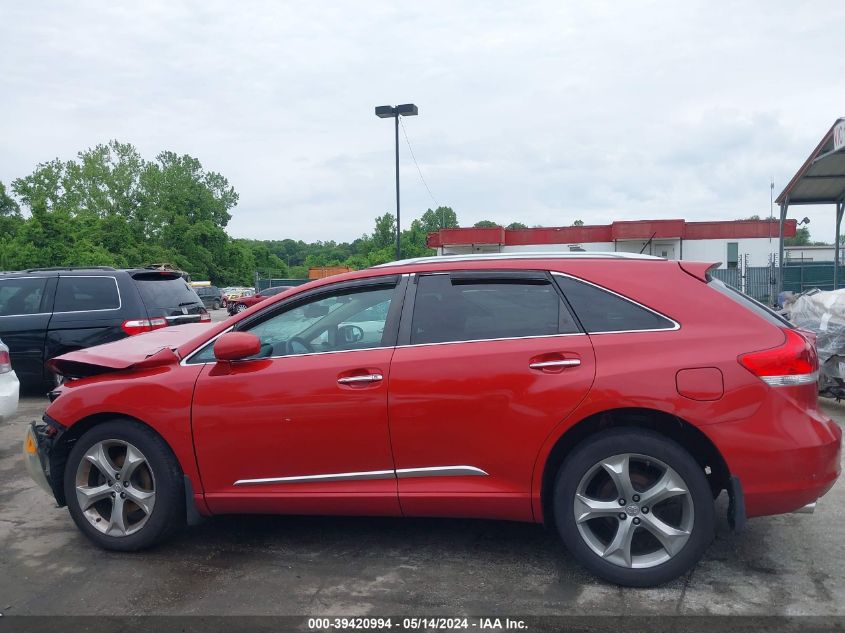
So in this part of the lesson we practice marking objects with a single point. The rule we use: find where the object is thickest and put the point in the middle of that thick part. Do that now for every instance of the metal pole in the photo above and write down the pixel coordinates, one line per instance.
(783, 208)
(771, 208)
(840, 207)
(398, 225)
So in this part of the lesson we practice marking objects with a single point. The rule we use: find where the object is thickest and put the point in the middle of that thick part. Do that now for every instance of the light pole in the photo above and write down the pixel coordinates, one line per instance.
(387, 112)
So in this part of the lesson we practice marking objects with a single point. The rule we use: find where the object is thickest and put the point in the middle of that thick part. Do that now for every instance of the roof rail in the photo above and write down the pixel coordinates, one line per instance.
(49, 268)
(437, 259)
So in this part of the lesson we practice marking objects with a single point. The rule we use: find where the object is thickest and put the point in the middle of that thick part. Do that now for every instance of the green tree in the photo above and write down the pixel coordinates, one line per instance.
(485, 224)
(578, 223)
(385, 232)
(110, 207)
(439, 218)
(513, 226)
(11, 222)
(802, 237)
(9, 208)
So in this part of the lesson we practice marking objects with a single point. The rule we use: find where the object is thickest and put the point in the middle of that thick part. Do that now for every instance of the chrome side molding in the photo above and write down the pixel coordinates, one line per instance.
(401, 473)
(369, 474)
(441, 471)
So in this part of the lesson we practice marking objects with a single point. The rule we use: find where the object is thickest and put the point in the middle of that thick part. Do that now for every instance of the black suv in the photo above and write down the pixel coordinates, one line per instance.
(212, 296)
(45, 312)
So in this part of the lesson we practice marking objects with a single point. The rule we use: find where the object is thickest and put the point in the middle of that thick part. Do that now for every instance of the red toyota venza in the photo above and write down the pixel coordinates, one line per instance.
(611, 396)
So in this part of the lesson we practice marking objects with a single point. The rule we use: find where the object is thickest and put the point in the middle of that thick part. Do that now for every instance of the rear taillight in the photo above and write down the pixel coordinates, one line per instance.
(5, 362)
(138, 326)
(205, 317)
(793, 363)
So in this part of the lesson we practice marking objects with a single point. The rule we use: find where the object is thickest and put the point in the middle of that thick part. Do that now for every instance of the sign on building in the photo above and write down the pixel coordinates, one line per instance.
(839, 136)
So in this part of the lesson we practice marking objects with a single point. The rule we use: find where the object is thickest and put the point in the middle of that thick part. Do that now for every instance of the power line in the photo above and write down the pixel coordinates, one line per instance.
(419, 171)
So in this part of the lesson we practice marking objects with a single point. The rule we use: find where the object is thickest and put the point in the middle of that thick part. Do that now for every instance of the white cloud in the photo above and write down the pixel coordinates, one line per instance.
(541, 112)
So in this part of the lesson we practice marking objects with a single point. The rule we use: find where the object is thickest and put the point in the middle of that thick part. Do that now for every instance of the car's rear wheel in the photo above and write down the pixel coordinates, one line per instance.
(215, 305)
(634, 507)
(123, 486)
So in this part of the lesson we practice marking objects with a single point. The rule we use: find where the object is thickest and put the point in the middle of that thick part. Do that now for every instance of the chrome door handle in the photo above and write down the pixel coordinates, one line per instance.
(351, 380)
(567, 362)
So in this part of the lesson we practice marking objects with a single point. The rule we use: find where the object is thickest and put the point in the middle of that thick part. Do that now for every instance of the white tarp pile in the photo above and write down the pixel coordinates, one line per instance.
(823, 312)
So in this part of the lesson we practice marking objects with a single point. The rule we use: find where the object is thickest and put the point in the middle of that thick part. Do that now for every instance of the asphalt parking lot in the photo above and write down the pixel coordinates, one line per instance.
(786, 565)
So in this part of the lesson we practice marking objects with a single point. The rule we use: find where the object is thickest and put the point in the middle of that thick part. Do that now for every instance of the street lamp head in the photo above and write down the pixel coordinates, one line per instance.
(407, 109)
(388, 112)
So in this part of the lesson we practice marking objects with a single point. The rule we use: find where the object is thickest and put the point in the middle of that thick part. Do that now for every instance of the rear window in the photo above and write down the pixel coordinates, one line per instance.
(165, 292)
(751, 304)
(83, 294)
(600, 310)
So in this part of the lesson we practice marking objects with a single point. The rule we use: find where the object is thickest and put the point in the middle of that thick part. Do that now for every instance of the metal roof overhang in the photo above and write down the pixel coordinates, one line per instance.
(820, 180)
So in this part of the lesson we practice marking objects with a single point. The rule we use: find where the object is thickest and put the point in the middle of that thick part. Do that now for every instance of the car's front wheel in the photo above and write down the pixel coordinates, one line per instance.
(123, 486)
(240, 307)
(634, 507)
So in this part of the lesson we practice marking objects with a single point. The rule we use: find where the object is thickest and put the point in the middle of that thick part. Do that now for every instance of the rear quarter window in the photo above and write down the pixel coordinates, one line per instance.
(601, 310)
(749, 304)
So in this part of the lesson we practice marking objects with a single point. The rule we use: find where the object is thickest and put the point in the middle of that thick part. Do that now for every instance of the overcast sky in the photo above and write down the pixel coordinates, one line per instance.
(540, 112)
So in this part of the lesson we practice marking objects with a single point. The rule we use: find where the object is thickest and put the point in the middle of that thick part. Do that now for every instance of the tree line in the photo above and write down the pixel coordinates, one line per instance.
(111, 207)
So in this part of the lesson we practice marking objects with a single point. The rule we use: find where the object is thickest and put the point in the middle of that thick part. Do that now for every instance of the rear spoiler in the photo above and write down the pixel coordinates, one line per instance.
(699, 270)
(156, 274)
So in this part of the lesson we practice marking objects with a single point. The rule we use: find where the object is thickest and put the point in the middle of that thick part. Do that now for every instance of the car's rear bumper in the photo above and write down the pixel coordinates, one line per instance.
(783, 463)
(38, 444)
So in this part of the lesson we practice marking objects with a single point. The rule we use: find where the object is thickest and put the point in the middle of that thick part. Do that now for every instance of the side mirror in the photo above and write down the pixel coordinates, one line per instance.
(236, 346)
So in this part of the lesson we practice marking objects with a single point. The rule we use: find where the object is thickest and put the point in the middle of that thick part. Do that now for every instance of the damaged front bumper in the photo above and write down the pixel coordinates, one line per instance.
(38, 444)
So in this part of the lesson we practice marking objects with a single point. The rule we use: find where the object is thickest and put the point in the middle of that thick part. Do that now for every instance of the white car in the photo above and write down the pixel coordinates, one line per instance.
(9, 385)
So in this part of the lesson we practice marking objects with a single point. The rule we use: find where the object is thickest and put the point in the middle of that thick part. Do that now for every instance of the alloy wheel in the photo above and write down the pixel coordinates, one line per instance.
(115, 487)
(633, 510)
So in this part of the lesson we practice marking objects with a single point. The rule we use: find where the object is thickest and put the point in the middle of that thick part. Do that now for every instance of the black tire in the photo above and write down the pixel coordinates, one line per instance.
(604, 445)
(168, 512)
(215, 305)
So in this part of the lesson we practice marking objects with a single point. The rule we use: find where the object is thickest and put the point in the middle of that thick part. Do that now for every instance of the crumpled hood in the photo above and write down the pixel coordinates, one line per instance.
(151, 349)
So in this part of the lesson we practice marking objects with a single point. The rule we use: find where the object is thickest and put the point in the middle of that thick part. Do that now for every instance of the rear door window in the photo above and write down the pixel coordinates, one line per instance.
(84, 294)
(601, 310)
(21, 295)
(455, 309)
